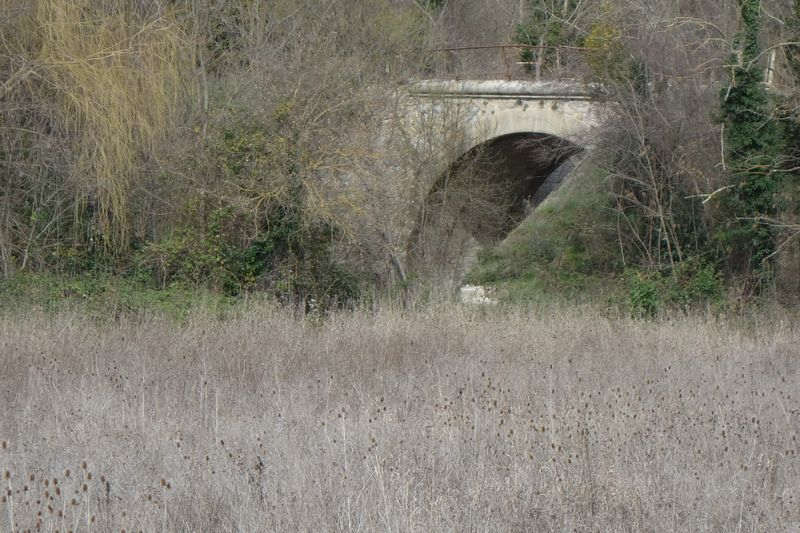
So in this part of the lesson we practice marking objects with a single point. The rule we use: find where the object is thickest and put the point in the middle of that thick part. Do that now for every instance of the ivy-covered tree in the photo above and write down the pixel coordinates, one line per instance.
(753, 152)
(793, 49)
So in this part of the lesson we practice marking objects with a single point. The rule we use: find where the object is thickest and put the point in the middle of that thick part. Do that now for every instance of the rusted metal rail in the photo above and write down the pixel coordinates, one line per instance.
(504, 55)
(510, 45)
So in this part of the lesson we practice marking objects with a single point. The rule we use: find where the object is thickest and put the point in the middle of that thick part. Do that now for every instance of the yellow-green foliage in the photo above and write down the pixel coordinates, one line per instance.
(118, 80)
(605, 54)
(122, 121)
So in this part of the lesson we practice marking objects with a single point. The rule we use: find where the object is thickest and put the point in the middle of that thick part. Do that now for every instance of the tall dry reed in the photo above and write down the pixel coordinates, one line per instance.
(444, 419)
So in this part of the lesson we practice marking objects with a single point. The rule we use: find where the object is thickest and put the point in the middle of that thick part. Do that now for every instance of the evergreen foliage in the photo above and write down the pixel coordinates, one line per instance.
(754, 145)
(548, 26)
(793, 50)
(606, 54)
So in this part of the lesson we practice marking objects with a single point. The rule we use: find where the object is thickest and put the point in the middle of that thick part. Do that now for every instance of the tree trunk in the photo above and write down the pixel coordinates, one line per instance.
(539, 59)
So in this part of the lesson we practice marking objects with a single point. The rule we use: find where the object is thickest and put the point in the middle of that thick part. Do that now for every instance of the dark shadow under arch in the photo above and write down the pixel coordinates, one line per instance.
(484, 195)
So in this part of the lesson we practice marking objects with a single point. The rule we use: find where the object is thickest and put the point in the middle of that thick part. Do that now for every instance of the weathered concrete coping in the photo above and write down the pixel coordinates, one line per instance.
(503, 89)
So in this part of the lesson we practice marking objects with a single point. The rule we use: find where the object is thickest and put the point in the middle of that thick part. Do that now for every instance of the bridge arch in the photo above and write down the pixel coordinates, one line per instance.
(496, 183)
(518, 140)
(483, 195)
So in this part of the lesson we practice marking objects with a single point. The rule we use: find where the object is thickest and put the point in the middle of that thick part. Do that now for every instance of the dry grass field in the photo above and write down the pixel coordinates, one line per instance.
(449, 419)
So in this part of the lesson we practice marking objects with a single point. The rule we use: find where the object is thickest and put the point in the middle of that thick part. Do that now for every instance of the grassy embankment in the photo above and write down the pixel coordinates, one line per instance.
(569, 250)
(106, 297)
(443, 419)
(564, 249)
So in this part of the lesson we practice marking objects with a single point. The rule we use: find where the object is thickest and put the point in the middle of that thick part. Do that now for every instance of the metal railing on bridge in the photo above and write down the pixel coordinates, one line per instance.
(511, 62)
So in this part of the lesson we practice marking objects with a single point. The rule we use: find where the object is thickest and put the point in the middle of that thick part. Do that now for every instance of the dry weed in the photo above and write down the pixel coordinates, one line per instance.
(438, 420)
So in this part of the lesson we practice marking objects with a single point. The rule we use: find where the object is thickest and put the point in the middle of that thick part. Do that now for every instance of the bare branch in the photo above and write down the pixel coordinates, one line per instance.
(707, 197)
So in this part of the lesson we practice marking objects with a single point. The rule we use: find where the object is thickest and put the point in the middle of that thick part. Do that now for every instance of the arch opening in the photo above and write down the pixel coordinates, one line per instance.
(483, 196)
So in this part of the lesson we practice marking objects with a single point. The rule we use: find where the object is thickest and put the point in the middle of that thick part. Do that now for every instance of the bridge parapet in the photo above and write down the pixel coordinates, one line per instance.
(507, 89)
(492, 108)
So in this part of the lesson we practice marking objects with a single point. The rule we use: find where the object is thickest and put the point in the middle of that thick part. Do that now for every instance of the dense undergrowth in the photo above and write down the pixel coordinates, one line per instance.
(239, 148)
(569, 250)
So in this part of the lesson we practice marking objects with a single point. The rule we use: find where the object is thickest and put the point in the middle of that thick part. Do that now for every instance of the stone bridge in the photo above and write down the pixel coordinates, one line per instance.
(516, 142)
(496, 108)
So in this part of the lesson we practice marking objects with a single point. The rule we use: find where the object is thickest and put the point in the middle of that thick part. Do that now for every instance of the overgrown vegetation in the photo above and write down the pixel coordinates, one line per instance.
(210, 314)
(201, 144)
(245, 147)
(702, 180)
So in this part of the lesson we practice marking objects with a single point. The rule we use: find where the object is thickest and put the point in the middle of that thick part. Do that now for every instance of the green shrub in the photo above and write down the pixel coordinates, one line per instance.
(644, 294)
(193, 256)
(691, 284)
(288, 258)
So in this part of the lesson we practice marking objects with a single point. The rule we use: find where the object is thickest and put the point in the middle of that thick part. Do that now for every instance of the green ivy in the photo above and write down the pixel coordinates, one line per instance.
(754, 145)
